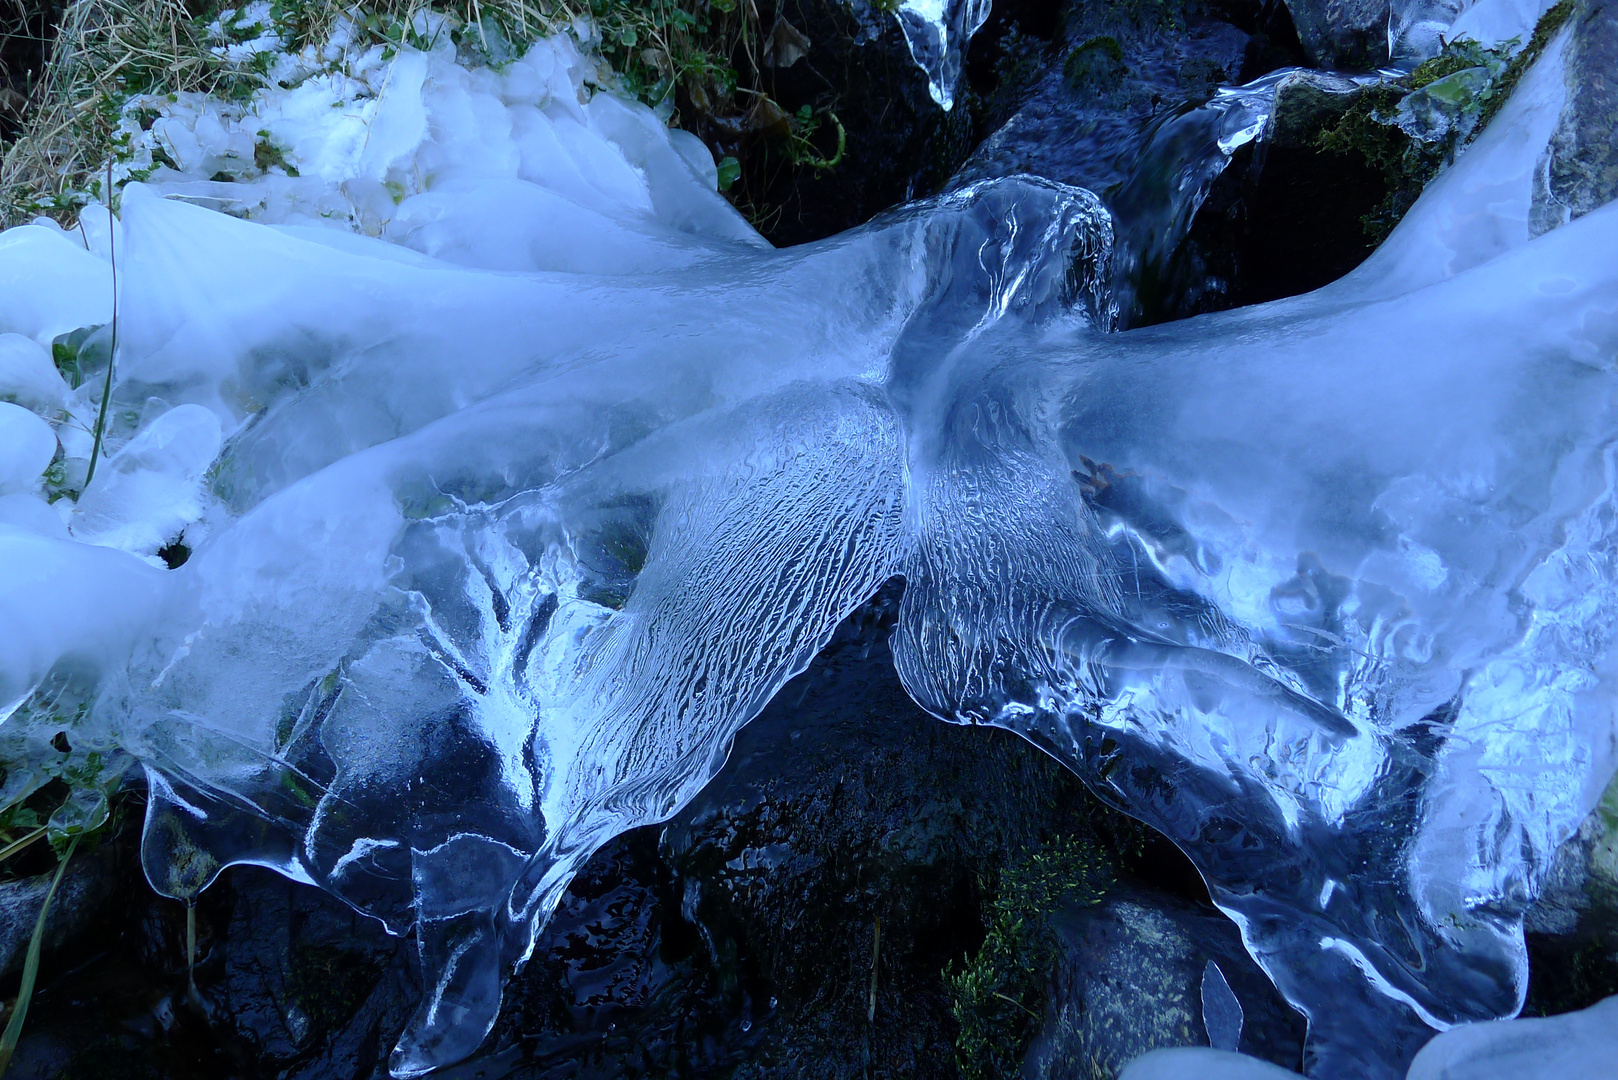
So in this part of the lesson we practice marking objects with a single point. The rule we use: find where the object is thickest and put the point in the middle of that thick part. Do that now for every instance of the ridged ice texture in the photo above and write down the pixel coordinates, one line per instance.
(1323, 589)
(441, 671)
(502, 556)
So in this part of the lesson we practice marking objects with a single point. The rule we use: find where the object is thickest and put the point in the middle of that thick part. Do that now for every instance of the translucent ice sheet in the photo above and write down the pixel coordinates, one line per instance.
(516, 520)
(938, 32)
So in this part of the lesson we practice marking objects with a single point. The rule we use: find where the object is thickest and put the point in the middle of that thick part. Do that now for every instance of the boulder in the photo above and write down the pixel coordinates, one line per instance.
(1349, 35)
(1112, 80)
(1573, 925)
(87, 886)
(1581, 890)
(1139, 972)
(1582, 172)
(1306, 103)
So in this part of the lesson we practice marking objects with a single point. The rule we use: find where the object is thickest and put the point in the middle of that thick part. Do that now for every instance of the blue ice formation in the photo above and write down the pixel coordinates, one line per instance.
(937, 33)
(521, 473)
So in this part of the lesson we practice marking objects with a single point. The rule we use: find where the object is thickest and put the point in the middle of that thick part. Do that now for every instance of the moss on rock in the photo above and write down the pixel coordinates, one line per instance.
(1410, 128)
(1000, 992)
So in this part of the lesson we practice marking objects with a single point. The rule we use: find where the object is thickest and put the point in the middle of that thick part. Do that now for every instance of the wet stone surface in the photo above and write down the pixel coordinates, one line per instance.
(739, 939)
(1131, 980)
(857, 74)
(736, 940)
(1117, 72)
(1112, 105)
(1582, 173)
(1345, 34)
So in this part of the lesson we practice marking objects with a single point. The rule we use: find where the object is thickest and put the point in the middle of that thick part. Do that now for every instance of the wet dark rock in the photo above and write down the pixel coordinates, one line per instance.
(1329, 181)
(1130, 980)
(842, 807)
(316, 988)
(1285, 217)
(857, 77)
(1119, 100)
(289, 983)
(1095, 67)
(738, 940)
(1573, 925)
(1288, 216)
(1306, 103)
(1582, 173)
(1118, 71)
(1349, 35)
(801, 917)
(1272, 41)
(89, 882)
(857, 67)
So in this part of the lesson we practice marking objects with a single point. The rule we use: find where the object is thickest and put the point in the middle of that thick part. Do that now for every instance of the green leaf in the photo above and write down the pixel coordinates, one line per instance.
(729, 170)
(67, 361)
(85, 810)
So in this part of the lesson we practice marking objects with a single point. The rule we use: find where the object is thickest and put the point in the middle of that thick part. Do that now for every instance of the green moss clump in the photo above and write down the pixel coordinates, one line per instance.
(1406, 165)
(999, 994)
(1096, 65)
(1457, 56)
(1368, 129)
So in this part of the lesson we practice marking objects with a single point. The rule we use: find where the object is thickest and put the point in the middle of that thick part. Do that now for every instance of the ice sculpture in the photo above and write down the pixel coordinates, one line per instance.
(938, 32)
(526, 504)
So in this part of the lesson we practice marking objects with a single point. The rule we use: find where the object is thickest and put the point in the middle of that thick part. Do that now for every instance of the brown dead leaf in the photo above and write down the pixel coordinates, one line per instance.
(768, 119)
(658, 61)
(786, 46)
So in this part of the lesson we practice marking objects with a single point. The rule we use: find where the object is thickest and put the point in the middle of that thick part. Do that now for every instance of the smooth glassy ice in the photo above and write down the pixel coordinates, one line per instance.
(516, 490)
(938, 32)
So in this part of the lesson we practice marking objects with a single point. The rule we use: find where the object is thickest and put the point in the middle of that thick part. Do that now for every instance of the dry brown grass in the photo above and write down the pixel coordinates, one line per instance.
(105, 51)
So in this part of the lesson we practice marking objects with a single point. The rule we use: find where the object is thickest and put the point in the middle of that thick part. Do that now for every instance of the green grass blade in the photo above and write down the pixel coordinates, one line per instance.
(17, 845)
(112, 355)
(30, 968)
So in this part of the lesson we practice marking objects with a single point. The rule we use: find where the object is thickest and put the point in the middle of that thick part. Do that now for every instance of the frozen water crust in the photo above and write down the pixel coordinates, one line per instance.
(525, 504)
(937, 33)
